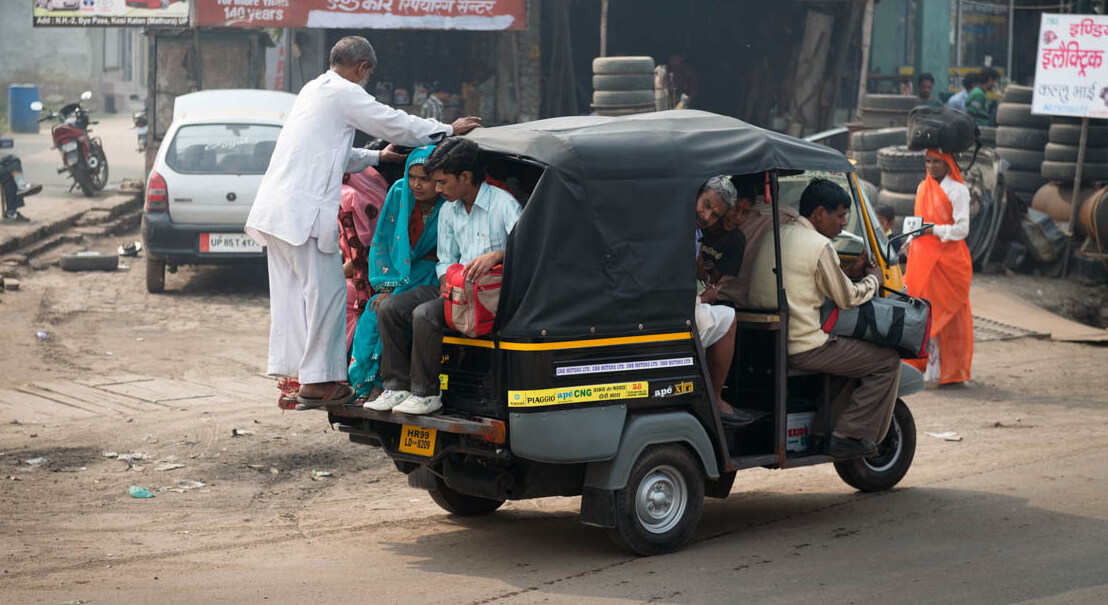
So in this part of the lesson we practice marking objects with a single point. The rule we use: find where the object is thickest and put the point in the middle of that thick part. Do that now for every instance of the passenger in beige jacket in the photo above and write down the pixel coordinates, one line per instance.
(869, 374)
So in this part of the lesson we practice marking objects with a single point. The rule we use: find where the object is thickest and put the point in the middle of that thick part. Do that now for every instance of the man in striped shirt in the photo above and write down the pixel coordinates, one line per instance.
(473, 231)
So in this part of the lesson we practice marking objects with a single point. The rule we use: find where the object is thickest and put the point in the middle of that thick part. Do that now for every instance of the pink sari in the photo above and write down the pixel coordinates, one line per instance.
(363, 194)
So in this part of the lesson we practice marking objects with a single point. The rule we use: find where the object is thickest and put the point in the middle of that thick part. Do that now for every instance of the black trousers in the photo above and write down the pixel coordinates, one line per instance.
(412, 365)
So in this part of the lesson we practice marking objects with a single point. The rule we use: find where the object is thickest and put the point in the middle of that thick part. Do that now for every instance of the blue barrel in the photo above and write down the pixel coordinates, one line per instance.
(21, 117)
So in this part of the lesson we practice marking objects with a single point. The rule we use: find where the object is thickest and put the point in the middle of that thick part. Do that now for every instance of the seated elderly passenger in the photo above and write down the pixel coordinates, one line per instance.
(716, 323)
(862, 410)
(722, 247)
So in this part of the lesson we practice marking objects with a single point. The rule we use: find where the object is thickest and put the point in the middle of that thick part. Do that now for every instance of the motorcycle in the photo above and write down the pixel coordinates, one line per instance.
(141, 127)
(83, 156)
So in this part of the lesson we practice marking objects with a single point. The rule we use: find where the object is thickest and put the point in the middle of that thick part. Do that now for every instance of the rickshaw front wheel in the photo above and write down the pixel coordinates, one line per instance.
(463, 505)
(894, 456)
(660, 506)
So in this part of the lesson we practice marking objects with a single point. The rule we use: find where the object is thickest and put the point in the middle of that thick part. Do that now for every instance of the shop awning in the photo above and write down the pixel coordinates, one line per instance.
(472, 15)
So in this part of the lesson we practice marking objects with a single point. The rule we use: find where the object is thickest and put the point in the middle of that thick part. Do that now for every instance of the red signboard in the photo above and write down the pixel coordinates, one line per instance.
(476, 15)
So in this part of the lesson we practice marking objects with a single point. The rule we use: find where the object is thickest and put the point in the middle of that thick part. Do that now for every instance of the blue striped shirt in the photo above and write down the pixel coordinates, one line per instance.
(465, 236)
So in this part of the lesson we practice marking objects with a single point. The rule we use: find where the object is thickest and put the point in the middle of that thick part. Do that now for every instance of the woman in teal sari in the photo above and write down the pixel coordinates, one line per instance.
(396, 262)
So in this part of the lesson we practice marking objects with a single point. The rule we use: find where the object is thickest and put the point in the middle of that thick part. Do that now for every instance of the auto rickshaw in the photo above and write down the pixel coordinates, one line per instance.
(594, 382)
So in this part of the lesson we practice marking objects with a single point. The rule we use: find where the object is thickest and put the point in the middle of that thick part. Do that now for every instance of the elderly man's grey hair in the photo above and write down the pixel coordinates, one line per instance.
(351, 51)
(724, 187)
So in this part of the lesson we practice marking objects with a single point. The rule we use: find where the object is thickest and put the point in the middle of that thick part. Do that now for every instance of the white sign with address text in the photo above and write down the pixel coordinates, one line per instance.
(1071, 76)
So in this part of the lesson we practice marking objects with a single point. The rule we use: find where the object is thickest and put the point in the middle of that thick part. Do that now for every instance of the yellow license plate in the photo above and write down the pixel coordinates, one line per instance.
(417, 440)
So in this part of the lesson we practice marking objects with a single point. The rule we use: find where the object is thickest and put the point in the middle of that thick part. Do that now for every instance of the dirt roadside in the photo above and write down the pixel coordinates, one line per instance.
(293, 512)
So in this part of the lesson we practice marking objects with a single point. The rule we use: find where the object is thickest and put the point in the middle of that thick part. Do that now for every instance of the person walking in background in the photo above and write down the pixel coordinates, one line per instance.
(940, 270)
(925, 88)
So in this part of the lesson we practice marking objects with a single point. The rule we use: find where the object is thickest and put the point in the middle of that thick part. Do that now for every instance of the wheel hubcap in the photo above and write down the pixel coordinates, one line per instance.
(661, 499)
(888, 451)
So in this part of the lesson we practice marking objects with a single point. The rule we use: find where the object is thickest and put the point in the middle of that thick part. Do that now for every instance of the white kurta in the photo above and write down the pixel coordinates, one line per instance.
(295, 215)
(301, 190)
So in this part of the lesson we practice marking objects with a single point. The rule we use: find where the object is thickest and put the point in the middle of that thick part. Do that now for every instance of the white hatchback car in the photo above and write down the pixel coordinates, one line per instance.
(205, 177)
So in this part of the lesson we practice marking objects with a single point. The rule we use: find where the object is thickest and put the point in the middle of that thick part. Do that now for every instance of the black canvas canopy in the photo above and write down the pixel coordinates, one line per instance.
(606, 242)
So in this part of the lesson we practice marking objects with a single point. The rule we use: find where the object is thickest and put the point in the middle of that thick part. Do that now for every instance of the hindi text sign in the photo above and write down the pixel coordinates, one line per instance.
(1071, 77)
(473, 15)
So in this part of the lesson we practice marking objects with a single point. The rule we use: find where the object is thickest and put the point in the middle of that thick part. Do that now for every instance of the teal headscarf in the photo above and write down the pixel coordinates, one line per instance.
(394, 262)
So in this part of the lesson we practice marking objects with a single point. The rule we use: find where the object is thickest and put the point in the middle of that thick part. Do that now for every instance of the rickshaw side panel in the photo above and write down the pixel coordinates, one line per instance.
(567, 436)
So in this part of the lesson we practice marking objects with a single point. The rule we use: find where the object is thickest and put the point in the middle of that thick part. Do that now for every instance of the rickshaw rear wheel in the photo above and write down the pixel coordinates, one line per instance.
(661, 505)
(463, 505)
(894, 456)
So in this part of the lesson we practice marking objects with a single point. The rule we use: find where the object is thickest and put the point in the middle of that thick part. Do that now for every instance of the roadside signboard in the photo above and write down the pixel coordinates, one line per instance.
(474, 15)
(1071, 75)
(110, 13)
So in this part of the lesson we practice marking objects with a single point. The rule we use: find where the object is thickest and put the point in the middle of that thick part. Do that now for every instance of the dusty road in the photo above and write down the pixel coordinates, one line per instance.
(1016, 512)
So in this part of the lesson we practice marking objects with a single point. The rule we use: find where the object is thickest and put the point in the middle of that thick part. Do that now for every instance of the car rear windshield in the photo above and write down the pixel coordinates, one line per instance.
(222, 148)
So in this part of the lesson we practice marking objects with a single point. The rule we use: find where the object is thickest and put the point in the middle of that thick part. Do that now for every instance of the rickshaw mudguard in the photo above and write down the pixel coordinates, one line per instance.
(911, 380)
(567, 436)
(643, 431)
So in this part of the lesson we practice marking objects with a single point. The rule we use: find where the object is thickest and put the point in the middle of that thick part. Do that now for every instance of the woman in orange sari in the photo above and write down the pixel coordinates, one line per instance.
(940, 270)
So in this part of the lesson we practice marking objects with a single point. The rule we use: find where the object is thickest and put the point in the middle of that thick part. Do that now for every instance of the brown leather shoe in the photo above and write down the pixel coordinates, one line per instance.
(849, 448)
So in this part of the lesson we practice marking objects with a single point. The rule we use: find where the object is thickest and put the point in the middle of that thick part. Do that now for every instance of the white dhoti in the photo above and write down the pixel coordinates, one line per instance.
(307, 302)
(713, 322)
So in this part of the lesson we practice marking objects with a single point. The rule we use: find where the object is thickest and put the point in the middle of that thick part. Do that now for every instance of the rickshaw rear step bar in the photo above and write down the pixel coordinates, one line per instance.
(482, 428)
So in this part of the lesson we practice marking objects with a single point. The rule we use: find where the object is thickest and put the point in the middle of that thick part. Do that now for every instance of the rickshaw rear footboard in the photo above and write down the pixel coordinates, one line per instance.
(423, 440)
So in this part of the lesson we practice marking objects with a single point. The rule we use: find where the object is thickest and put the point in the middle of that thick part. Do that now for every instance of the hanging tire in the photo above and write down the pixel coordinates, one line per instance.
(904, 204)
(661, 505)
(894, 456)
(1018, 94)
(460, 504)
(1019, 114)
(623, 97)
(89, 261)
(1058, 152)
(624, 82)
(902, 182)
(623, 65)
(1020, 180)
(1020, 138)
(900, 159)
(1070, 134)
(872, 140)
(901, 103)
(1067, 171)
(1021, 159)
(155, 275)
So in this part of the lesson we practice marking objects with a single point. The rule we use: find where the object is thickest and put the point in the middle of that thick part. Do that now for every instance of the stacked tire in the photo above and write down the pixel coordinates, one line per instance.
(622, 85)
(884, 111)
(1060, 154)
(902, 170)
(864, 146)
(1020, 139)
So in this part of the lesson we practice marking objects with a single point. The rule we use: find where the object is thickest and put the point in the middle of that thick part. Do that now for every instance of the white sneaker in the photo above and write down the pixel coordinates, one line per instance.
(419, 405)
(387, 400)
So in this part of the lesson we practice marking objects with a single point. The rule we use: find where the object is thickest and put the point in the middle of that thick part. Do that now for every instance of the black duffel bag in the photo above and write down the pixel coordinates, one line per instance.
(942, 128)
(902, 322)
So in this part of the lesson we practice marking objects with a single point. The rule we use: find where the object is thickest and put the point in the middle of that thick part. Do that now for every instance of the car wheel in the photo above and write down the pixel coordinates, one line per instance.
(894, 456)
(155, 275)
(661, 505)
(1021, 159)
(460, 504)
(1018, 94)
(89, 261)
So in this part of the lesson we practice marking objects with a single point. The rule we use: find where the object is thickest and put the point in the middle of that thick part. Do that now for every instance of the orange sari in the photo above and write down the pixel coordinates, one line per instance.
(941, 272)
